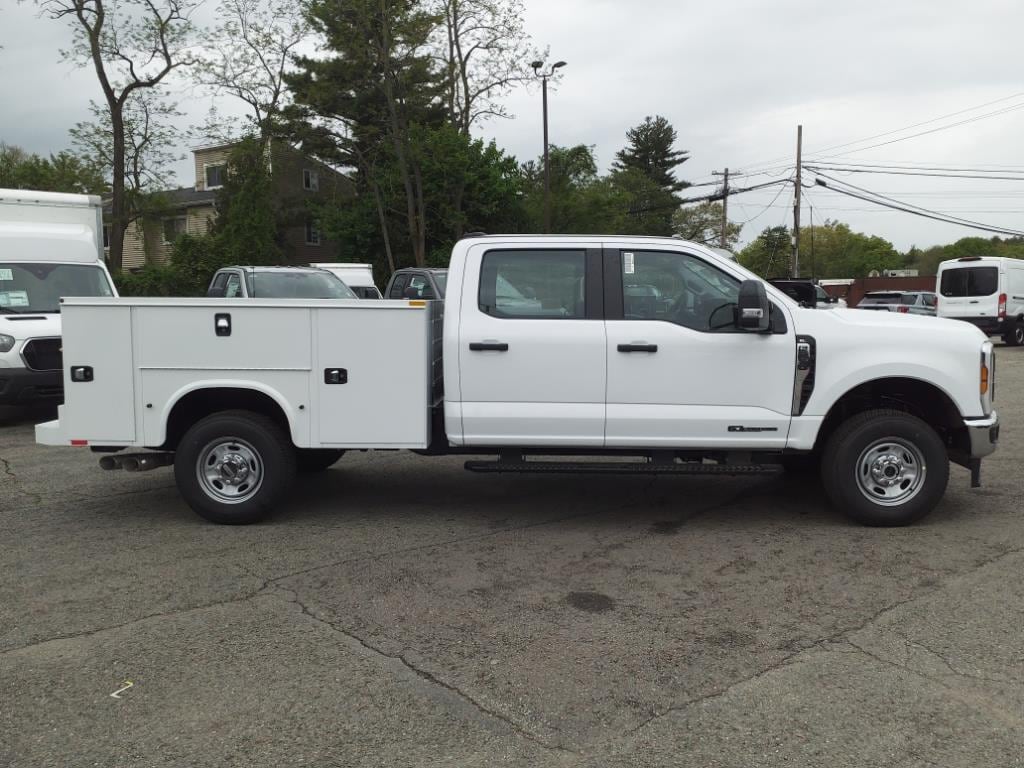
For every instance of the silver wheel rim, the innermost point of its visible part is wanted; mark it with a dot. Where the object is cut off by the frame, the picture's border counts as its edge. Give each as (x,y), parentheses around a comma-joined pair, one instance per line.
(891,472)
(229,470)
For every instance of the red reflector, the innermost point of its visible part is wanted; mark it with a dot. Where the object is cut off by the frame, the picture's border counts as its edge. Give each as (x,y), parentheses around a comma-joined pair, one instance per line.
(903,310)
(79,442)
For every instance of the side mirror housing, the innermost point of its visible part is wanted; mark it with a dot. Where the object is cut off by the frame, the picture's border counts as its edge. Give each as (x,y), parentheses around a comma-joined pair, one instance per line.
(753,311)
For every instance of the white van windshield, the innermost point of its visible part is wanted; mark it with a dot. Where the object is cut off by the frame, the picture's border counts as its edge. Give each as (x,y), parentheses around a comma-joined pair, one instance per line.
(969,281)
(30,287)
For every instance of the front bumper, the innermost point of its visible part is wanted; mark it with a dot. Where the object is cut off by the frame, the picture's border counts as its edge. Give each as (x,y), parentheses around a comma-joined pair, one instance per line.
(983,435)
(21,386)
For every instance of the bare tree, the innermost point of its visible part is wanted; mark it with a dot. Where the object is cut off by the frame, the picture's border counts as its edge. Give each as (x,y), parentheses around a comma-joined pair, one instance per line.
(253,49)
(149,136)
(132,45)
(485,53)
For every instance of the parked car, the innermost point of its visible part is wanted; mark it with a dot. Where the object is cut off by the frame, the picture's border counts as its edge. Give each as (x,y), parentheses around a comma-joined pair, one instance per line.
(717,374)
(985,291)
(277,283)
(903,302)
(416,283)
(808,293)
(358,277)
(51,246)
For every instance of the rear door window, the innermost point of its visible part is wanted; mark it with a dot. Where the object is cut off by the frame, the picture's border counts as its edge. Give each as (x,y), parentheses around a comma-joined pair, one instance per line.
(534,284)
(969,281)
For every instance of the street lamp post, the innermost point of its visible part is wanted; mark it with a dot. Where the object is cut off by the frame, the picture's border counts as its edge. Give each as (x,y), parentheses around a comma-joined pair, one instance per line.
(537,67)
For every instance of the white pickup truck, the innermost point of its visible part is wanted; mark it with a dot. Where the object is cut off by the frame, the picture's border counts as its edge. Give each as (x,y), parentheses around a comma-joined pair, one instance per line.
(630,355)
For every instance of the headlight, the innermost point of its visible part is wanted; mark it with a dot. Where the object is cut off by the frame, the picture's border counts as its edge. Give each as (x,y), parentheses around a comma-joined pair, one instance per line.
(6,342)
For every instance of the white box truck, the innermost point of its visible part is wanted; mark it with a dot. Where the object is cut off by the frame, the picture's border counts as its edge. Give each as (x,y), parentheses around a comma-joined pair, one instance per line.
(650,355)
(986,291)
(51,246)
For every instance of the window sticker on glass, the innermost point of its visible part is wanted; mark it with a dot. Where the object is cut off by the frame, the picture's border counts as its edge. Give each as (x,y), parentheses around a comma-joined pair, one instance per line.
(6,274)
(628,266)
(13,298)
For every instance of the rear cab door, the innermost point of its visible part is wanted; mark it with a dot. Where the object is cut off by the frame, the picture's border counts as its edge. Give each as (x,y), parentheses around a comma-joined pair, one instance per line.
(532,351)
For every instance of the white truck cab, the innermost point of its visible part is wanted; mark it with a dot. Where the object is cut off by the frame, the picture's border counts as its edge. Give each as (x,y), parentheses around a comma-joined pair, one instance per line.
(51,245)
(653,355)
(985,291)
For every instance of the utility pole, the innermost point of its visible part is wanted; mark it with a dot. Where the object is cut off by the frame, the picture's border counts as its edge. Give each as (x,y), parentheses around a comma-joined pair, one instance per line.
(722,239)
(794,270)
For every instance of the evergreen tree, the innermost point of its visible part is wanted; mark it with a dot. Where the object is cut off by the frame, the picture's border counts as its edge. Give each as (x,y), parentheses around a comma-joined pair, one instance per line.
(651,151)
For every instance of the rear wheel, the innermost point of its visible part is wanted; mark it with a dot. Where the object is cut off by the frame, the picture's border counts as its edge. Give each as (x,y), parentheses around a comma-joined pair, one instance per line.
(885,468)
(1014,336)
(234,467)
(317,459)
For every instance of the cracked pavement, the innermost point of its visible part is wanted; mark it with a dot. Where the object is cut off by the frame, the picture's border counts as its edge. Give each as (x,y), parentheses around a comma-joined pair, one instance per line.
(401,612)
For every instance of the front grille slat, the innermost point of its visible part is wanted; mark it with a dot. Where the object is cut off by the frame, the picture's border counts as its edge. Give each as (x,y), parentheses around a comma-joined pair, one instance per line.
(43,355)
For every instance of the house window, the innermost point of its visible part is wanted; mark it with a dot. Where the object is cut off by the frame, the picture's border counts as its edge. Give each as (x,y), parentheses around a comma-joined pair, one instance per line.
(214,176)
(174,228)
(312,233)
(310,180)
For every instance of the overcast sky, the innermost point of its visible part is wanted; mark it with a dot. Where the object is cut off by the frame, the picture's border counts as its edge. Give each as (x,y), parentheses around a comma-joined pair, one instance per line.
(734,77)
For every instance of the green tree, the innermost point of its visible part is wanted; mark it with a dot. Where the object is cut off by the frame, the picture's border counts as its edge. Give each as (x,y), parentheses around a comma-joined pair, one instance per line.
(650,154)
(249,221)
(63,172)
(840,252)
(768,255)
(702,223)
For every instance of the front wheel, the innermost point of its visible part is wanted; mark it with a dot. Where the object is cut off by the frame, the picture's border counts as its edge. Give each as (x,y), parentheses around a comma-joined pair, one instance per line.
(885,468)
(234,467)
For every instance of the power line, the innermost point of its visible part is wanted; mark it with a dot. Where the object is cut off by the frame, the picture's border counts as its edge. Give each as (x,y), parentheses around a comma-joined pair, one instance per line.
(770,205)
(872,197)
(817,167)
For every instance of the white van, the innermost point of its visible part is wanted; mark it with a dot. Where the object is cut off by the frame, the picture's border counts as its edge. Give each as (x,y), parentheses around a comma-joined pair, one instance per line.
(986,291)
(51,246)
(358,277)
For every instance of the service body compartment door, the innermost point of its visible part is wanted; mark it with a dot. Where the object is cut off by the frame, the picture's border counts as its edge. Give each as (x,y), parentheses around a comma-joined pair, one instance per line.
(532,349)
(372,375)
(101,409)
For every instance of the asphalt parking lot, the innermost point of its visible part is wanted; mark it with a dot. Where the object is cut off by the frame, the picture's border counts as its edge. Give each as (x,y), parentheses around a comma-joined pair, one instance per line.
(402,612)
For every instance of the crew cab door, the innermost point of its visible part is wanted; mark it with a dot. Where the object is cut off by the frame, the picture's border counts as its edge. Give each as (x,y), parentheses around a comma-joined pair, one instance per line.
(680,374)
(532,347)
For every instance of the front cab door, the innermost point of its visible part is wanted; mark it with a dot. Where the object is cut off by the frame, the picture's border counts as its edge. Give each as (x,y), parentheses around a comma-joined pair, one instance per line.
(680,375)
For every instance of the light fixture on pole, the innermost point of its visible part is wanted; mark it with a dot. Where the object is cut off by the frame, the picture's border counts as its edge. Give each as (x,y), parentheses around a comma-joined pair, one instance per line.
(538,71)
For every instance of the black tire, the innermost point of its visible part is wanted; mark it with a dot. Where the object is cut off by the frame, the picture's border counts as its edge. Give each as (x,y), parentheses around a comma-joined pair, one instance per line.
(900,443)
(249,444)
(1014,337)
(317,459)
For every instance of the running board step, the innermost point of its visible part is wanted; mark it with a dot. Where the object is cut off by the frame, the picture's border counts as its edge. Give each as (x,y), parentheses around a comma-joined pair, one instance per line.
(623,468)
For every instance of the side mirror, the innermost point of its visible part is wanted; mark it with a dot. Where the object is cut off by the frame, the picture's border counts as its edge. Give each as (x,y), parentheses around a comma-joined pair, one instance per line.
(753,308)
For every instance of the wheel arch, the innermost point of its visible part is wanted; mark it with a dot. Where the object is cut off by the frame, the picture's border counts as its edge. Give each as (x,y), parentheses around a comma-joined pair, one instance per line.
(917,397)
(189,405)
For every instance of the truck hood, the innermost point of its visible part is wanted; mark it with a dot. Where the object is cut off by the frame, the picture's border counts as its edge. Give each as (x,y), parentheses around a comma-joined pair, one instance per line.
(912,326)
(30,326)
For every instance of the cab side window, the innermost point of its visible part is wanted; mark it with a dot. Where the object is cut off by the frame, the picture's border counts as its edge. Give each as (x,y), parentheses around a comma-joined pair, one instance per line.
(422,287)
(677,288)
(534,284)
(398,287)
(217,287)
(233,289)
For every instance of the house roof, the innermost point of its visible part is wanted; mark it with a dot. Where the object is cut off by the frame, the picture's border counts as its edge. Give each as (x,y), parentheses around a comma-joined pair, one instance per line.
(183,197)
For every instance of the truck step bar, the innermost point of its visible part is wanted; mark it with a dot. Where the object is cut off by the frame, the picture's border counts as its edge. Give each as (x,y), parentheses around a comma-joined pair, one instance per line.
(623,467)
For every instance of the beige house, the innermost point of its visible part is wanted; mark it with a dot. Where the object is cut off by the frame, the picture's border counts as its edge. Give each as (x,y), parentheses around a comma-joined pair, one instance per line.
(296,181)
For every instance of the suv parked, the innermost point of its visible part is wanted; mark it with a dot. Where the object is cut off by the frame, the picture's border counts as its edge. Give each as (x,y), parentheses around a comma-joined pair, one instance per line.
(904,302)
(417,283)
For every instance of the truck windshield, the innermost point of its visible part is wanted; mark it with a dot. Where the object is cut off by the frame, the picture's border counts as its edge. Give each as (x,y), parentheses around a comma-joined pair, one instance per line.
(969,281)
(299,285)
(30,287)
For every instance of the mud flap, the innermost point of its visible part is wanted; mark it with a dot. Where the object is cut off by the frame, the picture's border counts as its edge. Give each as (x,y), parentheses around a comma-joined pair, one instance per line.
(975,466)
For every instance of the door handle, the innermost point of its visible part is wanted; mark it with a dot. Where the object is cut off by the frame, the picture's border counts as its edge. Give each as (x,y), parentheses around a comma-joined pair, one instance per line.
(488,346)
(638,348)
